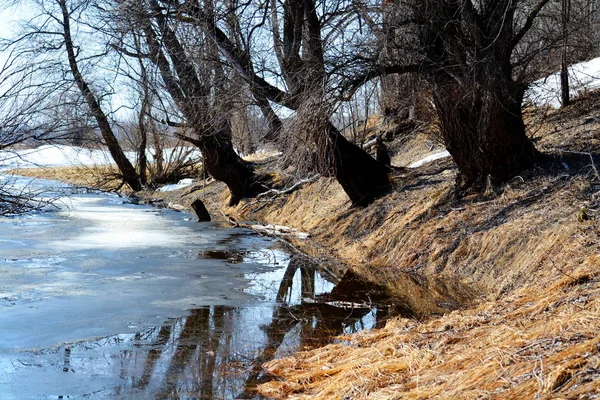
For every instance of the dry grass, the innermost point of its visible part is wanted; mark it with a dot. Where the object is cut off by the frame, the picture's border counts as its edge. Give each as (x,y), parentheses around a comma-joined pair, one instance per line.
(507,286)
(535,343)
(520,268)
(104,177)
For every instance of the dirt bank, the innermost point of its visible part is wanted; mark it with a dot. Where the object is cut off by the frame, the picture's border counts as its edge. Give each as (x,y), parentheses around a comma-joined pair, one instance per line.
(504,285)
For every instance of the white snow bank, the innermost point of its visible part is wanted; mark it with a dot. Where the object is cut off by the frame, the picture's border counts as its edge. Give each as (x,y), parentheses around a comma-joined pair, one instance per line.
(432,157)
(179,185)
(53,156)
(583,77)
(68,156)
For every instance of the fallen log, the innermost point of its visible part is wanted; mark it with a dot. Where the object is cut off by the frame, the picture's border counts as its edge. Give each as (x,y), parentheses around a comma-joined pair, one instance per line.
(279,231)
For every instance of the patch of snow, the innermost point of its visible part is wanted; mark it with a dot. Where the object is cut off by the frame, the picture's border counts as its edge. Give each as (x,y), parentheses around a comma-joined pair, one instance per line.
(583,77)
(67,156)
(179,185)
(432,157)
(53,156)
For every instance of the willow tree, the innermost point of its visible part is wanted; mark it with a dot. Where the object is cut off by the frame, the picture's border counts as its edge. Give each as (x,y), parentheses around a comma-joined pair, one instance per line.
(469,48)
(191,74)
(477,56)
(301,54)
(296,32)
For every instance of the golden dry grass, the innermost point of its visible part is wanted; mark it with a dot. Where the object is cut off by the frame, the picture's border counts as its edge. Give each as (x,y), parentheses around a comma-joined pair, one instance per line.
(507,286)
(103,177)
(535,343)
(521,267)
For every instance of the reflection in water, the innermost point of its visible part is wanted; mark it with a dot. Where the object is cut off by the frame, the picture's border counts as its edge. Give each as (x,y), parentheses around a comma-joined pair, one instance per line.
(72,277)
(215,352)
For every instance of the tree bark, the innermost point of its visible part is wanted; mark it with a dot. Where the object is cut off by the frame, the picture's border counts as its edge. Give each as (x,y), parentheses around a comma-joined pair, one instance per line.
(363,178)
(212,134)
(145,109)
(303,68)
(485,134)
(225,165)
(477,100)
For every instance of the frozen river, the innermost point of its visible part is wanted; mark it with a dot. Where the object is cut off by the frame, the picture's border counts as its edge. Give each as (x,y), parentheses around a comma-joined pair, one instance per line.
(104,299)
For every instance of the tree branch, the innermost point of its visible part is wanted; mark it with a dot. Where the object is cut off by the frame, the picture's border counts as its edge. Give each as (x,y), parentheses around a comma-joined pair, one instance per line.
(353,85)
(529,22)
(128,53)
(239,58)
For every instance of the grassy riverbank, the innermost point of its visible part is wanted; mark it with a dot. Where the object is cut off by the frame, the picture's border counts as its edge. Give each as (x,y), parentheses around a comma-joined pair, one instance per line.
(504,287)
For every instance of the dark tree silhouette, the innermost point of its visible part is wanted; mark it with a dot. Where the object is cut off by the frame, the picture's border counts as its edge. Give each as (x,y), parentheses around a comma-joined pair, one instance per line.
(469,51)
(474,56)
(301,60)
(196,86)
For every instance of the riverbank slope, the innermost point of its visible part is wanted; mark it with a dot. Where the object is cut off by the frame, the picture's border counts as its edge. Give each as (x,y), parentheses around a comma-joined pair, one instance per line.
(503,288)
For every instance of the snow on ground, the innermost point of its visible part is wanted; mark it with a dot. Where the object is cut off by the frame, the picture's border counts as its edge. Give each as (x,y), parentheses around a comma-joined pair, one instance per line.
(176,186)
(583,77)
(53,156)
(432,157)
(66,156)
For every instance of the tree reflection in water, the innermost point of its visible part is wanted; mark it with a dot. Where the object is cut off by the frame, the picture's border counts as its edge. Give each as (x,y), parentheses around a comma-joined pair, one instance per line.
(217,352)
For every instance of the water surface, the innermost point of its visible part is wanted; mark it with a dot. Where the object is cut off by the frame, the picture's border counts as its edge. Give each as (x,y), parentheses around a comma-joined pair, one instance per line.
(104,299)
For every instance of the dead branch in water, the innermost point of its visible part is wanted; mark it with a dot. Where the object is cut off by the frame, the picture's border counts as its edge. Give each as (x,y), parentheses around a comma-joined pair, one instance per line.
(14,202)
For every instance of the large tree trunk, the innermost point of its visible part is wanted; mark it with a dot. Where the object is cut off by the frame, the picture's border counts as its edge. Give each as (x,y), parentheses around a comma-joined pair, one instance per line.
(222,163)
(225,165)
(483,130)
(193,98)
(304,75)
(362,177)
(477,100)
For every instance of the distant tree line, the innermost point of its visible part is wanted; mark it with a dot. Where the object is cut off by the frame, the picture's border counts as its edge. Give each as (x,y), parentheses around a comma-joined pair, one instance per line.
(232,75)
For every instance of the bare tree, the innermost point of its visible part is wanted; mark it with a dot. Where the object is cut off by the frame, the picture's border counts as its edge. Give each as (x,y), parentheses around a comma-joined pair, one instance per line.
(23,106)
(477,57)
(196,83)
(130,175)
(47,46)
(298,44)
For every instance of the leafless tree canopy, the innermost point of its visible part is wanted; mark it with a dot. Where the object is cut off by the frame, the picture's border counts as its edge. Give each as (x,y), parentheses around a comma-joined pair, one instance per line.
(232,76)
